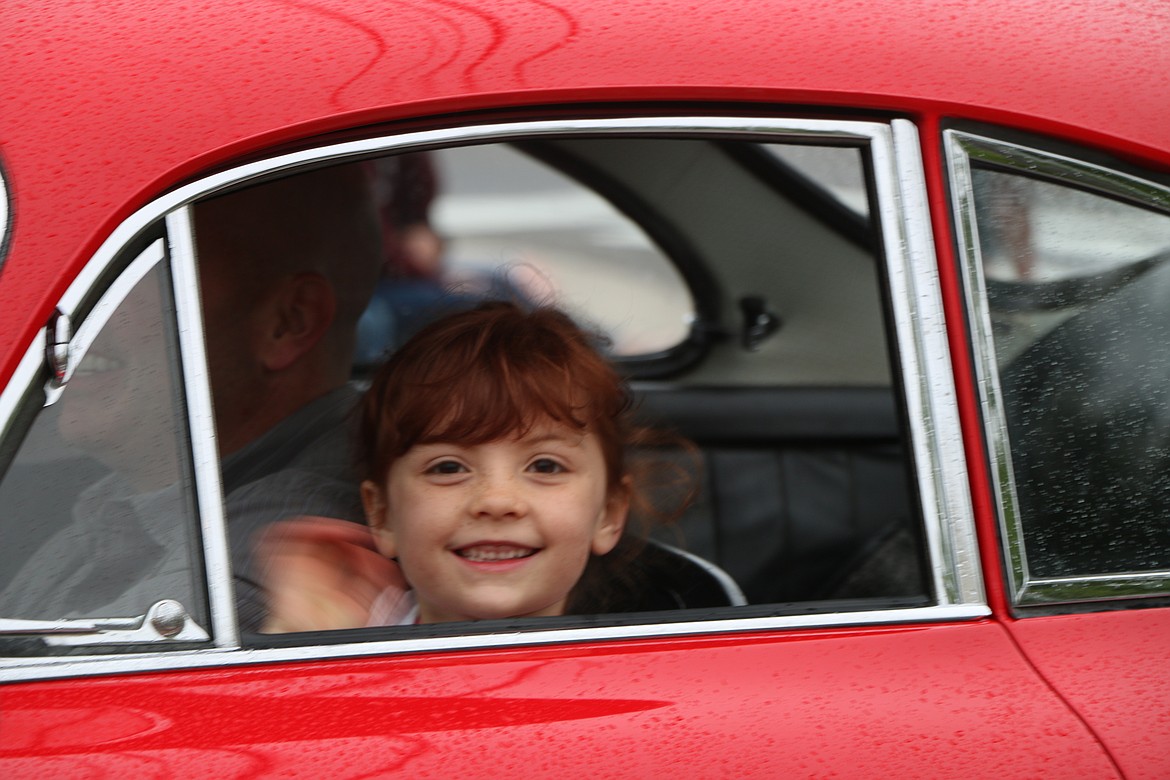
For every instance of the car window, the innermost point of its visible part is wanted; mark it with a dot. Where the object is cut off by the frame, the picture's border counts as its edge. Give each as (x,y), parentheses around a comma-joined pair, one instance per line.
(701,265)
(756,316)
(98,516)
(1077,286)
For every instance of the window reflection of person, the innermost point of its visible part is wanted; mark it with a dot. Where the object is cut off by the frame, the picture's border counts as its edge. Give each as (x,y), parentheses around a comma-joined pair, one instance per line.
(126,545)
(286,269)
(118,405)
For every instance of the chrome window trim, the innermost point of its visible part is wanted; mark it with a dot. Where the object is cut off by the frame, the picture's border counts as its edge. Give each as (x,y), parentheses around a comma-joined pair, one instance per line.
(30,368)
(5,216)
(201,423)
(919,329)
(19,669)
(927,376)
(960,149)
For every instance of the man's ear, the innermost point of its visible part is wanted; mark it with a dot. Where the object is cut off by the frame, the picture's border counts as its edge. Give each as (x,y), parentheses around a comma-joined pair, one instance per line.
(374,503)
(299,313)
(612,522)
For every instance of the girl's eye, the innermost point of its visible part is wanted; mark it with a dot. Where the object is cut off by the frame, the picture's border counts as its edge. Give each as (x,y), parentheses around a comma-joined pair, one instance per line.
(446,467)
(546,466)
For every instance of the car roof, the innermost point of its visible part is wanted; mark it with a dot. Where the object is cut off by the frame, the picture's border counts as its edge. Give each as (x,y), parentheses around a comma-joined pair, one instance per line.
(107,105)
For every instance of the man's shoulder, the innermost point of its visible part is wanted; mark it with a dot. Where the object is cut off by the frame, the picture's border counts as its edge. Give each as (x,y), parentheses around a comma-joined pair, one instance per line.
(318,439)
(296,491)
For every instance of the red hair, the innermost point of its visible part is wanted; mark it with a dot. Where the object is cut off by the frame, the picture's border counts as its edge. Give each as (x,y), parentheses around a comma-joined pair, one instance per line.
(490,373)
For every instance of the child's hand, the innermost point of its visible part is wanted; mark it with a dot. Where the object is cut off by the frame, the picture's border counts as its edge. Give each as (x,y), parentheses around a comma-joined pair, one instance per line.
(321,574)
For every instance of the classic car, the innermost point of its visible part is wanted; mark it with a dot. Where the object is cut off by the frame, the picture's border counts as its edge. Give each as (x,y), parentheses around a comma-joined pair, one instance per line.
(898,270)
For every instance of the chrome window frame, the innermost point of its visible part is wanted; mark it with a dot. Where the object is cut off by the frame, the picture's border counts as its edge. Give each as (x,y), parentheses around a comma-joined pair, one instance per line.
(919,330)
(961,149)
(5,216)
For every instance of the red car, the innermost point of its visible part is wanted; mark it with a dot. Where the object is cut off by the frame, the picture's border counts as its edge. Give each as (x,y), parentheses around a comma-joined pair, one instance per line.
(894,268)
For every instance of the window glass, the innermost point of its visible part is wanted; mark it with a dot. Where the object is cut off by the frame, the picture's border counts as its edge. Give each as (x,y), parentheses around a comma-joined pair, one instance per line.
(465,224)
(800,472)
(803,486)
(97,511)
(837,169)
(1078,290)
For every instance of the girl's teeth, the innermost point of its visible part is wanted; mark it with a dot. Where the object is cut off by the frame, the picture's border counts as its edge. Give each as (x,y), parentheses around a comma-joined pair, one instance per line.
(482,554)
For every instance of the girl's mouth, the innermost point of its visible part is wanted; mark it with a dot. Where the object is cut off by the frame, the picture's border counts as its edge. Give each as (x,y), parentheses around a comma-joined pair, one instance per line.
(489,553)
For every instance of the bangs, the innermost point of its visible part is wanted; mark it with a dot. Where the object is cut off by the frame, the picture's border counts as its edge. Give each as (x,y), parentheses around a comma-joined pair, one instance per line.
(486,402)
(492,373)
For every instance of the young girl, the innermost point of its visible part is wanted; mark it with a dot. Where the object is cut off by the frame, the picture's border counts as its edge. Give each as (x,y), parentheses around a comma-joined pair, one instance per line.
(493,449)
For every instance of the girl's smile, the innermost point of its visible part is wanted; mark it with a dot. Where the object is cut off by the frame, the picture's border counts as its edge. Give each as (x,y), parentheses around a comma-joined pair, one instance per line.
(494,553)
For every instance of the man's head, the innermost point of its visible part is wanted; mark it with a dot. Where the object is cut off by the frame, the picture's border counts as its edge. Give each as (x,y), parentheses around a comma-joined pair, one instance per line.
(286,269)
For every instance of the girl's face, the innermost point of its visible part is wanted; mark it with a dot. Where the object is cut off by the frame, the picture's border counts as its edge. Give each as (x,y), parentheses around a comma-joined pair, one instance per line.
(496,530)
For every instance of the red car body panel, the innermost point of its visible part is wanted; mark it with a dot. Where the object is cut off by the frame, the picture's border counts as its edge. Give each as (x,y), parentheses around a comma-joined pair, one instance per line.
(105,106)
(946,700)
(1109,669)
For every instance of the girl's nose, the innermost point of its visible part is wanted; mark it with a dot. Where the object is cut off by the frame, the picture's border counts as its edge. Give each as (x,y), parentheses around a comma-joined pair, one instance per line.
(499,498)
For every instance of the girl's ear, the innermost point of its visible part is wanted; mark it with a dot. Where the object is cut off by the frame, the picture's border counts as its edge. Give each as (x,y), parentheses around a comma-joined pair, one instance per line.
(613,519)
(374,503)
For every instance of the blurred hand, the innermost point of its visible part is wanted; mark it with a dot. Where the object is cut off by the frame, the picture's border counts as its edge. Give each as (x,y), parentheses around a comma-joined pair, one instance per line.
(321,574)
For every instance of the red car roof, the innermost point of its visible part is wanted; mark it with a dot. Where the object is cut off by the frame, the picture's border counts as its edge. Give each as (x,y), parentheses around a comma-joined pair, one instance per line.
(107,104)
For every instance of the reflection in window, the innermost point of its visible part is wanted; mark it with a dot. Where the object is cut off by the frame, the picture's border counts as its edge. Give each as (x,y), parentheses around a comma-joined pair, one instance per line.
(837,169)
(467,224)
(1078,288)
(97,512)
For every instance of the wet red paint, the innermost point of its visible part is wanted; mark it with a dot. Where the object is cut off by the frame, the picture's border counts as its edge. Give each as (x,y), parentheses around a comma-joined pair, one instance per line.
(937,702)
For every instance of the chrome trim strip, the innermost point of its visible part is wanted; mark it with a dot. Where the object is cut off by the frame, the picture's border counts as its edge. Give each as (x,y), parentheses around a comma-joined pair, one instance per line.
(5,214)
(31,366)
(1068,171)
(960,149)
(928,380)
(205,455)
(147,215)
(921,335)
(33,361)
(1100,587)
(746,126)
(55,668)
(986,371)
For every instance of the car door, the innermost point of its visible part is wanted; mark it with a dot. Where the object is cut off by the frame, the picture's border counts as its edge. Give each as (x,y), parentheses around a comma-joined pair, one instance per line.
(808,361)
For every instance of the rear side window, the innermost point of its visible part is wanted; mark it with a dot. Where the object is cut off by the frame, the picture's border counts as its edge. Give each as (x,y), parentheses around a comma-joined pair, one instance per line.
(1075,270)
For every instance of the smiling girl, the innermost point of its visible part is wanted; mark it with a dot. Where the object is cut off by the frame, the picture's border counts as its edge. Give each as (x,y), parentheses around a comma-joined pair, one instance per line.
(495,483)
(494,454)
